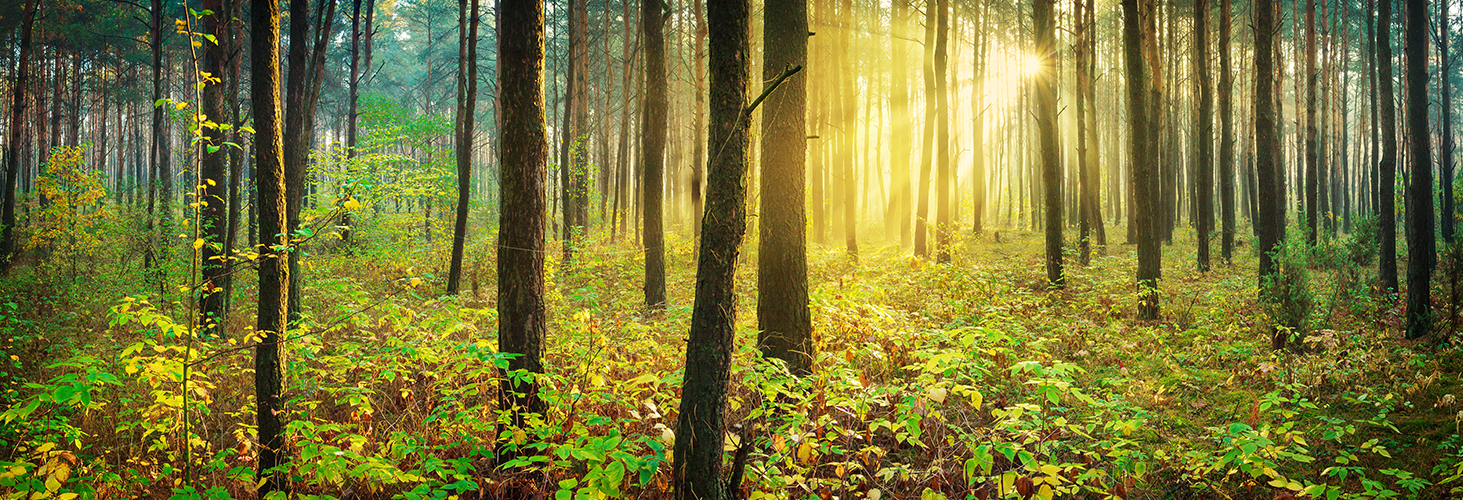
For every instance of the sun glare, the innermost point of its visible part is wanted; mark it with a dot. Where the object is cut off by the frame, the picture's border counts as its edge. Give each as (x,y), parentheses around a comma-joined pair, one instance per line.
(1031,66)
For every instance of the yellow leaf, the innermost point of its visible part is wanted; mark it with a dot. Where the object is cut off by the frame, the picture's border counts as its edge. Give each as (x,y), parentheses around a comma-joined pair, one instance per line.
(351,204)
(416,282)
(805,453)
(198,243)
(937,394)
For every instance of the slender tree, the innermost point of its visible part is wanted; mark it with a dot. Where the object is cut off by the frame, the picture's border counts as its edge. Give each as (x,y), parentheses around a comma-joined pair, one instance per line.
(1312,159)
(652,151)
(1421,247)
(13,138)
(274,264)
(944,175)
(467,89)
(1143,148)
(1203,132)
(926,154)
(1044,21)
(782,262)
(696,471)
(1445,155)
(214,184)
(1387,186)
(1226,136)
(523,161)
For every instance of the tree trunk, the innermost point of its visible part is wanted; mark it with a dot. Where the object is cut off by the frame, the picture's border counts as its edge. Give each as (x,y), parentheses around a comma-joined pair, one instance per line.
(273,266)
(1313,212)
(1387,187)
(652,154)
(467,89)
(213,187)
(1226,136)
(697,468)
(1421,247)
(13,139)
(1144,150)
(1204,132)
(782,263)
(523,160)
(1044,22)
(1445,155)
(848,126)
(926,156)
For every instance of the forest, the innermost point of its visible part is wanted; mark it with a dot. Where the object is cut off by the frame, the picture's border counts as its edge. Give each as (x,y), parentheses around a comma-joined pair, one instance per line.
(770,249)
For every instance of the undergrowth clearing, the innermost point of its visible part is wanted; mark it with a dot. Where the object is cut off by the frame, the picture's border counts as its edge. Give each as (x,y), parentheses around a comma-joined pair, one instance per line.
(967,380)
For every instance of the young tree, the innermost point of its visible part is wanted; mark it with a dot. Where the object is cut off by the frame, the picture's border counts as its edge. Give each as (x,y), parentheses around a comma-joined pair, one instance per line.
(467,90)
(1143,148)
(274,263)
(1044,21)
(652,151)
(696,472)
(1387,186)
(1421,247)
(523,161)
(1204,131)
(13,138)
(782,262)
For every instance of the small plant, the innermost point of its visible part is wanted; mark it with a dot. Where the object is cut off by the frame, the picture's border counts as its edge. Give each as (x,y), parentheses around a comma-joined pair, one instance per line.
(1286,295)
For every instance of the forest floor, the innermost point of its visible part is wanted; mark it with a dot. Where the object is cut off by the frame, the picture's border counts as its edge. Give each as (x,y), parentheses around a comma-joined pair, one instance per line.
(963,380)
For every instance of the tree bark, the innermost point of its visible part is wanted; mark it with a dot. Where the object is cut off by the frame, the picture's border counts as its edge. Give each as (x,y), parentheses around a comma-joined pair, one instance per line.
(213,187)
(1421,247)
(274,263)
(1226,136)
(1044,22)
(523,160)
(926,156)
(697,468)
(652,153)
(467,89)
(782,262)
(1387,187)
(13,139)
(1204,132)
(1144,152)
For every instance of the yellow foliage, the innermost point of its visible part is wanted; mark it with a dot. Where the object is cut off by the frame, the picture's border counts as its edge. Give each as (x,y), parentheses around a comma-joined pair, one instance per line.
(68,220)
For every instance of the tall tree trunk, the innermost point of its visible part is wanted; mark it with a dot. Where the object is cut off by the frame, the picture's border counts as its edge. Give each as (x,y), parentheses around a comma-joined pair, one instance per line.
(698,118)
(523,160)
(847,128)
(1226,136)
(1144,151)
(782,262)
(467,90)
(273,266)
(1421,247)
(1044,21)
(1445,155)
(1267,146)
(1204,132)
(213,187)
(652,153)
(696,472)
(13,139)
(1312,183)
(1387,187)
(926,155)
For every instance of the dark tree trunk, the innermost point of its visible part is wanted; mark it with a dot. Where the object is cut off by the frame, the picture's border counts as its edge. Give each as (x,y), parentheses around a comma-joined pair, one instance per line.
(1387,186)
(1204,132)
(1044,22)
(467,90)
(236,48)
(926,154)
(943,175)
(697,469)
(273,267)
(1226,136)
(1267,146)
(1421,247)
(1312,159)
(849,124)
(213,187)
(652,152)
(1445,155)
(301,96)
(13,139)
(782,262)
(1144,147)
(523,160)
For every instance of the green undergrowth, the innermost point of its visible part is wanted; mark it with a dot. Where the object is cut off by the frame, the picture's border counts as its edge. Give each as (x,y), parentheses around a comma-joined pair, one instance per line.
(962,380)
